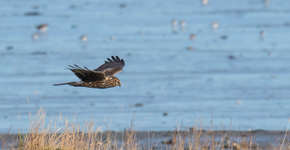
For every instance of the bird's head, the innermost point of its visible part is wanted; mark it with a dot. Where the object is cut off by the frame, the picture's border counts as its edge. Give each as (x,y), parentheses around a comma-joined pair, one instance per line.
(119,83)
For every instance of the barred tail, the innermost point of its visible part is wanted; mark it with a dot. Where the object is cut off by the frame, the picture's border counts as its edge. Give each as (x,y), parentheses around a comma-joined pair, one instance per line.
(69,83)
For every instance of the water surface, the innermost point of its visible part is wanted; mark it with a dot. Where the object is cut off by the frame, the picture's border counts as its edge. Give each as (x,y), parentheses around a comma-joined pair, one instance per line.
(241,78)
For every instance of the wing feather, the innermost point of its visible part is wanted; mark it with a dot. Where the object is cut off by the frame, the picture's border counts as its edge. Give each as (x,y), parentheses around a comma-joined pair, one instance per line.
(110,59)
(87,74)
(112,66)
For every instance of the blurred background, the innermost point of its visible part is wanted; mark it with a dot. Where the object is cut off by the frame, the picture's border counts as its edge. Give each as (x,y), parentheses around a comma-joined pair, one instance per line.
(224,60)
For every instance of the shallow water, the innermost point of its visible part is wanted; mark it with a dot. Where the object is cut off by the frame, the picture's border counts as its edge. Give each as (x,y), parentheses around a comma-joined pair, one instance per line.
(251,90)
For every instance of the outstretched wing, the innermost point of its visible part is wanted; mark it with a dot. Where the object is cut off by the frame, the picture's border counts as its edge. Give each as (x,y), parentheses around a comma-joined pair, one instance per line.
(112,66)
(86,74)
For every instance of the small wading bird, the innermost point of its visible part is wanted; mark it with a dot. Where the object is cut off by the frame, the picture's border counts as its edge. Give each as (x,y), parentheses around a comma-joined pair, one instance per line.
(101,77)
(182,24)
(42,27)
(84,38)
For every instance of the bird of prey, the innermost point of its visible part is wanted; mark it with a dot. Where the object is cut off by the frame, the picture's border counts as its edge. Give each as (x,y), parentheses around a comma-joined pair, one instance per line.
(102,77)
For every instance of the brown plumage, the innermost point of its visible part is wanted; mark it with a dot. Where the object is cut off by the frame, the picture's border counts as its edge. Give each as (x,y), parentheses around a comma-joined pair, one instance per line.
(102,77)
(42,26)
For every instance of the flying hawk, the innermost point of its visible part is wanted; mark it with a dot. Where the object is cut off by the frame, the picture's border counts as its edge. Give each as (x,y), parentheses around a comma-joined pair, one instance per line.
(101,77)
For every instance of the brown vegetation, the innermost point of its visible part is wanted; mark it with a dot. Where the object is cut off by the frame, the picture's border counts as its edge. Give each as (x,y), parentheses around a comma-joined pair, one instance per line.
(74,137)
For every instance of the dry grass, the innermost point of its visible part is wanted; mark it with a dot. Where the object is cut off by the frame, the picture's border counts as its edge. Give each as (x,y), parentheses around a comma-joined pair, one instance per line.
(74,137)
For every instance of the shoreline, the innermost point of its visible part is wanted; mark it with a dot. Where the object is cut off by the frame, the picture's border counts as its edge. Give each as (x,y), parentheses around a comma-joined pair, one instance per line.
(160,139)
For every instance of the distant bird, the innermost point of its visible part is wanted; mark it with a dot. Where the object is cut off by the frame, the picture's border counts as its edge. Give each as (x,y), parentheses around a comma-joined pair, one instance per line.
(262,33)
(204,2)
(102,77)
(141,32)
(266,2)
(112,38)
(192,36)
(231,57)
(42,27)
(190,48)
(214,25)
(173,25)
(182,24)
(173,22)
(224,37)
(35,36)
(84,38)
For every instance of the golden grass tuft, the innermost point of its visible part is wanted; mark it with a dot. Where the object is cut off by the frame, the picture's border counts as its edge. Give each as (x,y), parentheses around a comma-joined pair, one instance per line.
(70,137)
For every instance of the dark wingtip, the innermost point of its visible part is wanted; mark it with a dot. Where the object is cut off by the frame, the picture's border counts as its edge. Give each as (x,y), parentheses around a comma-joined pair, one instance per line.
(77,66)
(110,60)
(71,67)
(86,68)
(123,62)
(114,58)
(57,84)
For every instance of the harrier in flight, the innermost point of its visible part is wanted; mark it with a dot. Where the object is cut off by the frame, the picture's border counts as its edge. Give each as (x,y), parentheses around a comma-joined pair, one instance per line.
(102,77)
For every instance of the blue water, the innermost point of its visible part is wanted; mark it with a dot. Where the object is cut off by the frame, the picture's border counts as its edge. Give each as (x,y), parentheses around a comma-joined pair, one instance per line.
(251,90)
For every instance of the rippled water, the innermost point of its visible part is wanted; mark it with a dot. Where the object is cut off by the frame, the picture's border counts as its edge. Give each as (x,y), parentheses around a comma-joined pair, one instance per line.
(232,75)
